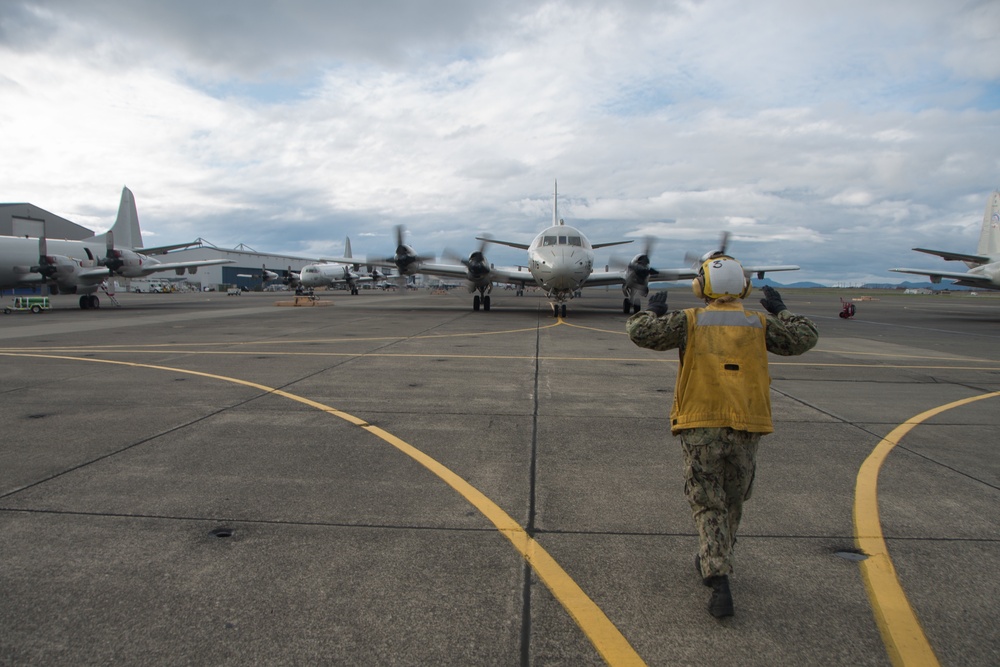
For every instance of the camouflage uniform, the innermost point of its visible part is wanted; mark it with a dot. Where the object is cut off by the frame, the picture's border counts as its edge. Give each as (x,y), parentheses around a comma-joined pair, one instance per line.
(720,463)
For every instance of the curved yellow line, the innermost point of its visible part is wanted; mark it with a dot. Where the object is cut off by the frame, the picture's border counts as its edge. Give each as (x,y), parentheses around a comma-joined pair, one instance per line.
(594,623)
(902,634)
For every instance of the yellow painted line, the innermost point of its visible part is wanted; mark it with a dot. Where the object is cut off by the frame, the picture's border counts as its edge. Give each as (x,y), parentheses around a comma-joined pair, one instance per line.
(312,341)
(902,634)
(594,623)
(180,348)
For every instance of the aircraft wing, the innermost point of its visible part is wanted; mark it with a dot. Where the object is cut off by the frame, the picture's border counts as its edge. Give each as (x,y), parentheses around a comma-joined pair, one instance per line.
(95,275)
(163,249)
(761,270)
(153,267)
(515,275)
(961,278)
(597,246)
(443,270)
(519,246)
(956,256)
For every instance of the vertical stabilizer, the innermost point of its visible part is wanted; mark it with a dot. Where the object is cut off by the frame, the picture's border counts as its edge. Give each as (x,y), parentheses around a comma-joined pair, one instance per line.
(347,247)
(126,229)
(989,236)
(555,202)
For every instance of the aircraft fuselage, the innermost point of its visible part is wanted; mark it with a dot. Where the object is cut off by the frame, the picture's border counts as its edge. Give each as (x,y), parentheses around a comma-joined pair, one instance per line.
(560,260)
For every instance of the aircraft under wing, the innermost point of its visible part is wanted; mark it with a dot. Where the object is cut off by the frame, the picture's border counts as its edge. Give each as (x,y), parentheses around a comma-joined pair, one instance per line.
(179,267)
(513,275)
(960,277)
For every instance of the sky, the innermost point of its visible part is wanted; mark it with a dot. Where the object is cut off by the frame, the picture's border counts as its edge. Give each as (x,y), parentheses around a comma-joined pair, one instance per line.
(835,136)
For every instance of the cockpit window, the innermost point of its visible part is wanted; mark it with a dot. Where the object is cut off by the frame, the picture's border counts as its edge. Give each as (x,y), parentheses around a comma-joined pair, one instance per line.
(548,240)
(562,240)
(575,240)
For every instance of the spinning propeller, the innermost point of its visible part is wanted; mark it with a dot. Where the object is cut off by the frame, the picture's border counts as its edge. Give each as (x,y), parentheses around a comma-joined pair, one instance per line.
(696,261)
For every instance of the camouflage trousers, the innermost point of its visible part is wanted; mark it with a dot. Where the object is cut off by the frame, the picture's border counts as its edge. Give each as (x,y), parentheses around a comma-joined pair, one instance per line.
(719,465)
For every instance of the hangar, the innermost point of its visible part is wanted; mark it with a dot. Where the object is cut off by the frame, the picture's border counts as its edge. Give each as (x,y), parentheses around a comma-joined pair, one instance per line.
(246,270)
(29,220)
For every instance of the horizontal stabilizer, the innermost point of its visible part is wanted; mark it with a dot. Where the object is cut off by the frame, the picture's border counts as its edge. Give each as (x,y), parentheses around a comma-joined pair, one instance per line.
(956,256)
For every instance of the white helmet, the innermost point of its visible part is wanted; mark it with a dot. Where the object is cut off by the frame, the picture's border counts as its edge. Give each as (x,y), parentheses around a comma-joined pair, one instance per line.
(720,276)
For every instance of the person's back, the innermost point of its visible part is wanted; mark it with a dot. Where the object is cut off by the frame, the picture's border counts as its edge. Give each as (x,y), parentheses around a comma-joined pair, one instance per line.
(721,400)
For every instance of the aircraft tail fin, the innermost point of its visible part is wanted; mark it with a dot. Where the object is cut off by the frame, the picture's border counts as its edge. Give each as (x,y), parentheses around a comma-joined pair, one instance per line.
(126,230)
(347,247)
(555,203)
(989,236)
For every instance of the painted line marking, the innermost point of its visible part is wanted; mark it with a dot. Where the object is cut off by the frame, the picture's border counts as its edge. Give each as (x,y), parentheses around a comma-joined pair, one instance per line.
(902,634)
(602,633)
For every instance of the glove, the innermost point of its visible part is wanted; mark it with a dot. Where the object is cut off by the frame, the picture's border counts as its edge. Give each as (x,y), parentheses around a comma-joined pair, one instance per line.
(772,300)
(657,304)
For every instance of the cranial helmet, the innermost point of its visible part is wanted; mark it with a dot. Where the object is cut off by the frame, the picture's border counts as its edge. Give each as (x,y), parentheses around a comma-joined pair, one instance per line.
(720,276)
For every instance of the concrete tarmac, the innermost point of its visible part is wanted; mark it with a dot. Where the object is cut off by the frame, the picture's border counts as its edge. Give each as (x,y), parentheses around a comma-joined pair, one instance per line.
(397,480)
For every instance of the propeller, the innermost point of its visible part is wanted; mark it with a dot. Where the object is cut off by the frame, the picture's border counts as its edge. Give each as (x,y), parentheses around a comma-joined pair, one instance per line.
(476,263)
(405,258)
(48,264)
(117,259)
(639,266)
(695,260)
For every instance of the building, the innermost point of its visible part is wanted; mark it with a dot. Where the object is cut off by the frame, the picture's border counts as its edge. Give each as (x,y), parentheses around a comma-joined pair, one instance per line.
(246,271)
(29,220)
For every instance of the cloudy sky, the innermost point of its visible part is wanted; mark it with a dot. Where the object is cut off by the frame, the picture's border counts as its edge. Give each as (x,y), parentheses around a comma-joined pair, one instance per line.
(832,135)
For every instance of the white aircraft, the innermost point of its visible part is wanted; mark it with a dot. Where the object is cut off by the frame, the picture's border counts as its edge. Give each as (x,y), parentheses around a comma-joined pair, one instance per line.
(82,267)
(560,262)
(336,272)
(984,266)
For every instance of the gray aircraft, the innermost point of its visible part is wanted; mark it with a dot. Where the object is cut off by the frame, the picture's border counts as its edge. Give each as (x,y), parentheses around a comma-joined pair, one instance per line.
(560,260)
(83,267)
(984,266)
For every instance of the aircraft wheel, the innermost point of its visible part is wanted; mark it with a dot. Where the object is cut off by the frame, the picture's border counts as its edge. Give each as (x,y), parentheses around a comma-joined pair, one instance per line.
(84,303)
(635,307)
(564,310)
(94,301)
(475,303)
(486,303)
(626,306)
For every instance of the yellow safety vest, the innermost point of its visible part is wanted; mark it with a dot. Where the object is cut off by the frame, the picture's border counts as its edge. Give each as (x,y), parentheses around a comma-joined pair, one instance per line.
(723,378)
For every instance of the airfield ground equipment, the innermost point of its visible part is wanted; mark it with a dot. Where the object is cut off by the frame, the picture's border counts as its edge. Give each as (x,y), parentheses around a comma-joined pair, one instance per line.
(23,304)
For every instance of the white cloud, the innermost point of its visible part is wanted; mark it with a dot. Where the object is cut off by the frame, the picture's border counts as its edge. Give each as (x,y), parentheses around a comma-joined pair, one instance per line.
(870,127)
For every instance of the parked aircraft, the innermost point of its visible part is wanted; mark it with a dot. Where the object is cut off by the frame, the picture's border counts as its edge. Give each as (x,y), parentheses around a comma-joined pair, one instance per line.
(560,262)
(984,266)
(342,271)
(82,267)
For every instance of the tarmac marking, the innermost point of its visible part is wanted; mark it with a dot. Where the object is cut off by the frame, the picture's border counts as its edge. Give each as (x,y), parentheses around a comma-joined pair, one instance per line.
(594,623)
(902,634)
(180,349)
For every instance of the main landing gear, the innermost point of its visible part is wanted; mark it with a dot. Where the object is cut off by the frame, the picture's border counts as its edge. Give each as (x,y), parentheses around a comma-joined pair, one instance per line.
(483,301)
(628,304)
(89,301)
(558,309)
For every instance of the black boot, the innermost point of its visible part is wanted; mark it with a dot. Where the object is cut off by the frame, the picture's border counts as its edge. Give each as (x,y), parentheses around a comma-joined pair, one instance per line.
(721,604)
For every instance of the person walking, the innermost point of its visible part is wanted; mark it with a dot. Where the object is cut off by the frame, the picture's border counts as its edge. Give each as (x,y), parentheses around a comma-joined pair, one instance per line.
(722,403)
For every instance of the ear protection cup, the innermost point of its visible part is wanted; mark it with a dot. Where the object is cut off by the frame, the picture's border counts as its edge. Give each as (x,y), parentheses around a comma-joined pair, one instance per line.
(698,288)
